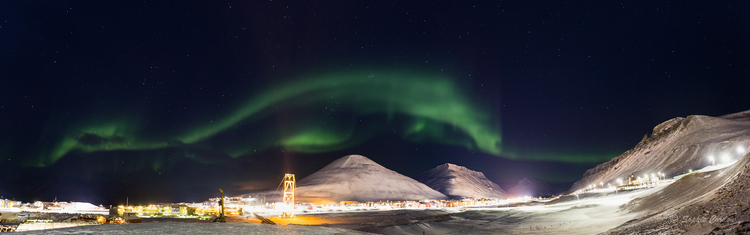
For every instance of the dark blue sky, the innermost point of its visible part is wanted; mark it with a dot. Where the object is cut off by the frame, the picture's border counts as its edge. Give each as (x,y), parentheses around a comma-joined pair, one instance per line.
(102,99)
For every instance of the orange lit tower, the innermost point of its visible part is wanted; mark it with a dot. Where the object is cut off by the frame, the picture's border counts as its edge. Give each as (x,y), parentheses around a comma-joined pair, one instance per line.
(289,185)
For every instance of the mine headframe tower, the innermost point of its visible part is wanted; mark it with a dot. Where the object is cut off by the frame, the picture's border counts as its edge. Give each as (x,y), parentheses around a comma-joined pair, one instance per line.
(221,218)
(289,185)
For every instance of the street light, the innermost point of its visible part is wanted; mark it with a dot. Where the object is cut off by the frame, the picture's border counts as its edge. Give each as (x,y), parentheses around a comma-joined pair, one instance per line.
(712,159)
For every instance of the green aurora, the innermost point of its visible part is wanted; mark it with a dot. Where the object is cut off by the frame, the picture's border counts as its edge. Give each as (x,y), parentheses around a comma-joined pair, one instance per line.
(435,108)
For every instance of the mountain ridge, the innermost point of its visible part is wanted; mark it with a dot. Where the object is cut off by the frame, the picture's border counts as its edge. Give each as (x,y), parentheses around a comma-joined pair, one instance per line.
(460,182)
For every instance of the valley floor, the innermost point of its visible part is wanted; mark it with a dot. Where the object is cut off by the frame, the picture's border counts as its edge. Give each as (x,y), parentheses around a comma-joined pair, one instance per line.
(589,213)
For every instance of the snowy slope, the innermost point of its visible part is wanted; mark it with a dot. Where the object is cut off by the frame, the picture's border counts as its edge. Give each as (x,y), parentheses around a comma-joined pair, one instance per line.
(699,203)
(357,178)
(675,147)
(459,182)
(531,187)
(194,228)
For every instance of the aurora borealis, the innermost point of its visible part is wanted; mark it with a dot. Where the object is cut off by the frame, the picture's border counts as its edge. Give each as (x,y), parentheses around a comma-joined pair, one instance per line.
(432,106)
(107,99)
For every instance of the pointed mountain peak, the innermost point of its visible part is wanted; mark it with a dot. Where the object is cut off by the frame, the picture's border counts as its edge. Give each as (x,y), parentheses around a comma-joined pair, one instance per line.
(355,158)
(450,167)
(352,161)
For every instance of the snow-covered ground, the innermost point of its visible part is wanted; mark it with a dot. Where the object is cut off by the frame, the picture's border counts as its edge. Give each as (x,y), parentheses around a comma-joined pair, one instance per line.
(589,215)
(58,208)
(62,211)
(196,228)
(714,198)
(593,213)
(714,190)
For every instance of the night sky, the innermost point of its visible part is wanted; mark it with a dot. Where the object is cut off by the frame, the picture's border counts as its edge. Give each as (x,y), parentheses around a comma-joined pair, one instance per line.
(161,101)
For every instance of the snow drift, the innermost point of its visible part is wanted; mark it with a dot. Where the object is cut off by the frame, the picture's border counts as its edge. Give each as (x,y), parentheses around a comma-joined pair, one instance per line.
(531,187)
(357,178)
(460,182)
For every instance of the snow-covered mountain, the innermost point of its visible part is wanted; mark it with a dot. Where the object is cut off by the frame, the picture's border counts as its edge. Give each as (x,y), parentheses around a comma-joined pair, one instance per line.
(531,187)
(357,178)
(677,146)
(460,182)
(707,200)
